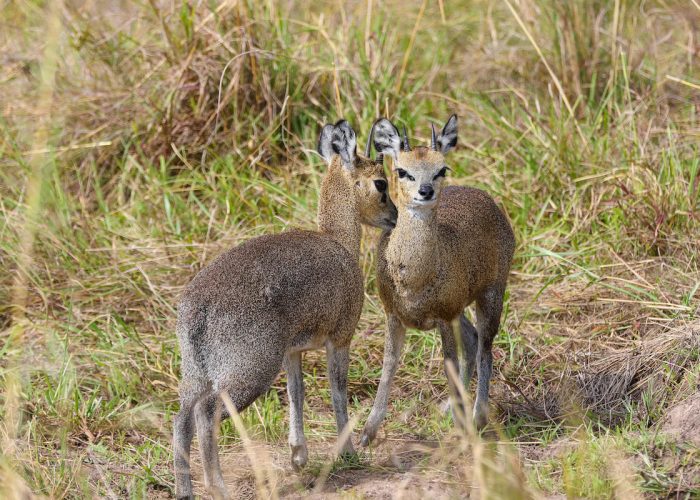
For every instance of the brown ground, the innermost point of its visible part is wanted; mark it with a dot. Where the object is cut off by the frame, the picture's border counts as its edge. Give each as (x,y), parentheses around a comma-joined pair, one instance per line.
(682,422)
(407,468)
(682,425)
(399,469)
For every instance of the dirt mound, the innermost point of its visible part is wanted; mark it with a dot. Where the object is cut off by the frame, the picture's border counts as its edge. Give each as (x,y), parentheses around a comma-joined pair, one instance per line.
(682,422)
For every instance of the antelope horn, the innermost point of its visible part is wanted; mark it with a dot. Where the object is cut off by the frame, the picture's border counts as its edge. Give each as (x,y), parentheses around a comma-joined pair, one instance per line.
(433,138)
(406,146)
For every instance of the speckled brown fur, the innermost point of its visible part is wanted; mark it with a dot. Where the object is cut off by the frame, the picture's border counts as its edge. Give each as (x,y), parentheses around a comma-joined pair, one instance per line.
(430,267)
(451,246)
(260,304)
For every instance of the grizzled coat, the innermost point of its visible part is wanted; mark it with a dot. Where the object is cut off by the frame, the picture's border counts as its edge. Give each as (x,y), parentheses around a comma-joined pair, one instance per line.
(236,313)
(451,246)
(259,305)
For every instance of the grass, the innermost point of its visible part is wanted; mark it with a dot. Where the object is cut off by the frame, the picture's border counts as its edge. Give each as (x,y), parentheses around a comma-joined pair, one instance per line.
(139,141)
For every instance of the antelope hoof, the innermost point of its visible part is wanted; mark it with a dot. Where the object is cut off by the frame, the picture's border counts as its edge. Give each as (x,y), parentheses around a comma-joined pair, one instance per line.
(299,457)
(481,417)
(367,437)
(218,493)
(348,449)
(446,406)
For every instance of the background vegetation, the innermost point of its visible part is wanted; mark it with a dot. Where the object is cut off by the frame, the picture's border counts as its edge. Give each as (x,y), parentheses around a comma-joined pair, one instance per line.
(139,139)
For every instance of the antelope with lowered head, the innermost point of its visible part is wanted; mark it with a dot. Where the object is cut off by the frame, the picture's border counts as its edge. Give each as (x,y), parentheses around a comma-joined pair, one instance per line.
(259,305)
(451,246)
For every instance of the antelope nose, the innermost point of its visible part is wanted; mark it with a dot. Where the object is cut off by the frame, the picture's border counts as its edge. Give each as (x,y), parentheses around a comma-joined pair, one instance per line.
(426,191)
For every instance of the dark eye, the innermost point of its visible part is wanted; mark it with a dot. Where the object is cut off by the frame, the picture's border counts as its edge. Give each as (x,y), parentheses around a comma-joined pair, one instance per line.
(402,173)
(441,173)
(381,185)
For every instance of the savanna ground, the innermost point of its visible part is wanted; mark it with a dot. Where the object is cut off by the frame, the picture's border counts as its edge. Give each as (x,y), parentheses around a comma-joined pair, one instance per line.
(140,139)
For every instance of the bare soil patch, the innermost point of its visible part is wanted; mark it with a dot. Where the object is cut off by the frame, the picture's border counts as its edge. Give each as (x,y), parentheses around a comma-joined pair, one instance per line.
(400,469)
(682,421)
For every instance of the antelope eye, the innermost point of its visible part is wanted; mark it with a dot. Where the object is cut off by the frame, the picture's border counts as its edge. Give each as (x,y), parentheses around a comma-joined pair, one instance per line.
(403,174)
(381,185)
(441,173)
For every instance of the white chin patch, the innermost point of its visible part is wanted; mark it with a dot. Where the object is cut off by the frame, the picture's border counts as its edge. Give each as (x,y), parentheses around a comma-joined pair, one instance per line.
(422,204)
(420,208)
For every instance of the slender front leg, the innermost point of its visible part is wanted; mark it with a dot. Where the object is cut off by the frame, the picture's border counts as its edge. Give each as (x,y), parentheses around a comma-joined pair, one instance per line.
(450,355)
(393,344)
(470,340)
(338,362)
(208,417)
(295,392)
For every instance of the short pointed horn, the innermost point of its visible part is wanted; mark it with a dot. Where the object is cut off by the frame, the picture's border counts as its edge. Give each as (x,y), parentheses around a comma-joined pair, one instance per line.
(406,146)
(433,138)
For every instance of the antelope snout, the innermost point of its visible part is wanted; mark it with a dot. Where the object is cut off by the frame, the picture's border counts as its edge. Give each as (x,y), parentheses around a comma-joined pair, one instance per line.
(426,191)
(393,216)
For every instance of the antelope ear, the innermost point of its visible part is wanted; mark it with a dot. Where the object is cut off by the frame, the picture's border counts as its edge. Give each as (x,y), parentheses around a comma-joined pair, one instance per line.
(338,139)
(344,143)
(386,138)
(448,137)
(324,147)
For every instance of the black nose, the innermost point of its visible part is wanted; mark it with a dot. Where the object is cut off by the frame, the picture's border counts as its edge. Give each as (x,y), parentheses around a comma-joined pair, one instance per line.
(426,191)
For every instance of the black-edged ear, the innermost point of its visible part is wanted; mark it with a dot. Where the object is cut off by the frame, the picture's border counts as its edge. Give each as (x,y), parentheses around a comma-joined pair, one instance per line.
(325,149)
(386,138)
(448,137)
(345,142)
(338,139)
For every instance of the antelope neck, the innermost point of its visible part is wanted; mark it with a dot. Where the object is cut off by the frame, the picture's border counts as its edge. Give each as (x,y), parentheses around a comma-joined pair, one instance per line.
(412,251)
(338,213)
